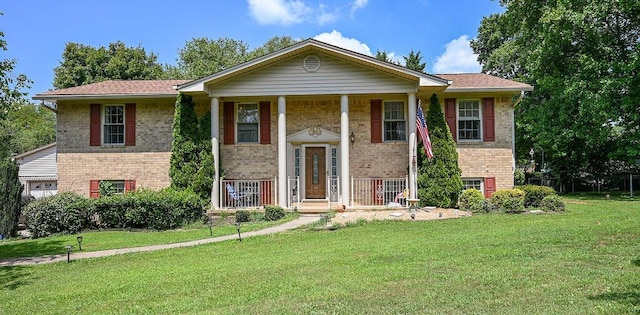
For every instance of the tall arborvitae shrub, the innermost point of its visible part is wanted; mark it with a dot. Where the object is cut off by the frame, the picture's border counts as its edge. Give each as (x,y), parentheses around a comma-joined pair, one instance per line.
(191,157)
(10,197)
(439,182)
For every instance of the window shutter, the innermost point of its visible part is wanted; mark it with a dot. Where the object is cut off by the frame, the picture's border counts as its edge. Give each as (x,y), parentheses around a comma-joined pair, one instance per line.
(94,188)
(450,115)
(488,119)
(130,124)
(129,185)
(94,125)
(489,186)
(229,122)
(376,121)
(265,122)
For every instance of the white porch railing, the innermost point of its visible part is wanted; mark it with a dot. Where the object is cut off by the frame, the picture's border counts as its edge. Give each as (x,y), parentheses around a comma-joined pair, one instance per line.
(365,193)
(247,193)
(379,192)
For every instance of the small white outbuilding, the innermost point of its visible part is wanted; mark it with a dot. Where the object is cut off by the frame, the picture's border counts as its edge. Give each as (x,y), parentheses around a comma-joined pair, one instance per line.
(38,172)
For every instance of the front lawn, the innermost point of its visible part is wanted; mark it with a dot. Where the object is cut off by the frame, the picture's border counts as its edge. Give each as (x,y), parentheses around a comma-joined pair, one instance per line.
(585,261)
(94,240)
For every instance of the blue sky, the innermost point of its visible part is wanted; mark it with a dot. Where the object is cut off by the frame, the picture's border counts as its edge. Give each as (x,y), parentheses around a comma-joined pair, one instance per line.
(36,31)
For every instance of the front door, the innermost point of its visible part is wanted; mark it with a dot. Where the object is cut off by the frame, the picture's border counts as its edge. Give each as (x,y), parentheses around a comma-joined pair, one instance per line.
(315,173)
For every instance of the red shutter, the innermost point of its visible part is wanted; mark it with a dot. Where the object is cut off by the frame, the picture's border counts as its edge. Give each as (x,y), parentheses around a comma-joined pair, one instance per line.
(376,121)
(94,125)
(94,188)
(450,115)
(488,120)
(229,122)
(489,186)
(265,122)
(129,185)
(130,124)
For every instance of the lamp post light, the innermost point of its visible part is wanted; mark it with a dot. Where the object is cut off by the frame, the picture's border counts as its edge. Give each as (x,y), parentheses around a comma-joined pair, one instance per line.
(352,138)
(532,152)
(238,228)
(68,248)
(79,239)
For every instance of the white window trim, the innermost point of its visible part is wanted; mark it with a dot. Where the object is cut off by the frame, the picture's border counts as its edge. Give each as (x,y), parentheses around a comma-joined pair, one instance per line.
(237,108)
(406,123)
(476,178)
(480,131)
(124,124)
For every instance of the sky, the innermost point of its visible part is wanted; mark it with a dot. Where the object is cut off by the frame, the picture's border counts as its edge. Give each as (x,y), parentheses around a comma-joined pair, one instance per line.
(36,31)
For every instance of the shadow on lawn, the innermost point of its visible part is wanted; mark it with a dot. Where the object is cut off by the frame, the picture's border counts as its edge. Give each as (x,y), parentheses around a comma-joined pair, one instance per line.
(631,296)
(13,277)
(19,249)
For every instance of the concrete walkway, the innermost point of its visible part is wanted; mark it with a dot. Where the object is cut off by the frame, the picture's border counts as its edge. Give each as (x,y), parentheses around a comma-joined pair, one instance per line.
(301,221)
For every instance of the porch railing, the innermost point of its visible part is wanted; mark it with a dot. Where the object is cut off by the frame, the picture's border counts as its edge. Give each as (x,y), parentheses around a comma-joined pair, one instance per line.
(247,194)
(377,192)
(293,197)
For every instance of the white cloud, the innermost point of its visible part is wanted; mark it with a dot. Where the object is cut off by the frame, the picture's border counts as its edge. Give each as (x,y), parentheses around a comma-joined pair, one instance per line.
(325,17)
(282,12)
(358,4)
(335,38)
(457,58)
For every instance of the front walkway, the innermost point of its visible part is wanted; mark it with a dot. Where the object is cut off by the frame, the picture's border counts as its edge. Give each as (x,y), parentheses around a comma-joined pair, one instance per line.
(301,221)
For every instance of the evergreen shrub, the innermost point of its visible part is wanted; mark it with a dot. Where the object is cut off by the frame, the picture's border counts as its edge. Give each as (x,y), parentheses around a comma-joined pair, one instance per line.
(243,216)
(10,198)
(552,203)
(534,194)
(273,213)
(469,200)
(66,212)
(508,200)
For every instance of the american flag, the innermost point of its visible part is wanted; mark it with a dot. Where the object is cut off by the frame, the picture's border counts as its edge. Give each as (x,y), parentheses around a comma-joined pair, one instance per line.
(424,131)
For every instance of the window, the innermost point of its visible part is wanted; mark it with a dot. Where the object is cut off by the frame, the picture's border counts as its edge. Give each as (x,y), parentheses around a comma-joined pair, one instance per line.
(394,121)
(469,120)
(471,183)
(118,186)
(248,123)
(113,124)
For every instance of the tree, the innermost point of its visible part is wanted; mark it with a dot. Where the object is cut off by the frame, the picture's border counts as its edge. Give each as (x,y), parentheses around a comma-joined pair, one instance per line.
(201,57)
(273,44)
(439,181)
(83,64)
(10,197)
(384,56)
(414,62)
(191,162)
(27,127)
(583,57)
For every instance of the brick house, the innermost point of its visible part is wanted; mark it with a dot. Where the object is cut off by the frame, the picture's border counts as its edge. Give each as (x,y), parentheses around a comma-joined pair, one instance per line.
(310,123)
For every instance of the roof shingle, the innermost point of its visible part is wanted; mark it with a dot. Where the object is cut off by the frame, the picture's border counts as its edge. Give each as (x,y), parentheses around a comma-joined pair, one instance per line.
(120,87)
(481,81)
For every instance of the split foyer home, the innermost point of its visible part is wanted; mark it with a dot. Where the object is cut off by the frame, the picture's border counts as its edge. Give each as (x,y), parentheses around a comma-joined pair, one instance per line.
(311,123)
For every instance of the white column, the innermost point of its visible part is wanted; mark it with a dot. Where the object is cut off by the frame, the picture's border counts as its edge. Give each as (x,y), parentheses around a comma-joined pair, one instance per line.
(413,147)
(215,149)
(282,152)
(345,188)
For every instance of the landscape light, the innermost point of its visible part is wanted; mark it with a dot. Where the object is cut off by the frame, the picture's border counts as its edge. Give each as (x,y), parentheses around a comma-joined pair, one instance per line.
(238,228)
(210,223)
(79,239)
(68,248)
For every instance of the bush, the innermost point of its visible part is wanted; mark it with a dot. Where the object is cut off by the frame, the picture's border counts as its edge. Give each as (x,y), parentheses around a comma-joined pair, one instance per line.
(509,200)
(469,198)
(160,210)
(484,206)
(552,203)
(62,213)
(10,198)
(243,216)
(534,194)
(518,176)
(273,213)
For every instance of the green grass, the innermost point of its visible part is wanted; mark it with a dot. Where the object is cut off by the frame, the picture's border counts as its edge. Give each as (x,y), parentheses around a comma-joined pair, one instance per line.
(94,240)
(585,261)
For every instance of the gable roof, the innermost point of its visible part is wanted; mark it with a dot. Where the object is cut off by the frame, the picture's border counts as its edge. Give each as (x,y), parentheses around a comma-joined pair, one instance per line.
(116,89)
(36,150)
(481,82)
(310,45)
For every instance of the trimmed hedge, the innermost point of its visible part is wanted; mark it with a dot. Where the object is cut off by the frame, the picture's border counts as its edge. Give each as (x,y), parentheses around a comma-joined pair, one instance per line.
(469,199)
(552,203)
(534,194)
(160,210)
(273,213)
(243,216)
(509,200)
(67,212)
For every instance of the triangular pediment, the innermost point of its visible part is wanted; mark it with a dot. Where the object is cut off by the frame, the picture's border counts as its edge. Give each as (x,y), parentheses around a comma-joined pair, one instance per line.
(314,134)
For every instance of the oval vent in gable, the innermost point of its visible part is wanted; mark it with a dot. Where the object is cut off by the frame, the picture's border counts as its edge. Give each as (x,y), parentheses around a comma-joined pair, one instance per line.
(311,63)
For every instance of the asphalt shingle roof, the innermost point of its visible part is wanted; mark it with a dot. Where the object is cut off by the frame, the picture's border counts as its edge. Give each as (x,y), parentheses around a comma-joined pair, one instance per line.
(480,81)
(121,87)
